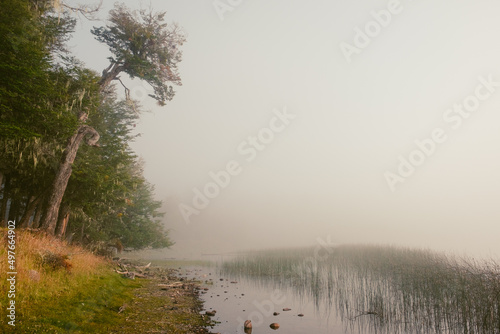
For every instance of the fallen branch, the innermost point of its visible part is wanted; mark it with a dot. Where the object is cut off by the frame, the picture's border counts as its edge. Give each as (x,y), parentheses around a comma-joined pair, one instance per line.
(131,273)
(171,285)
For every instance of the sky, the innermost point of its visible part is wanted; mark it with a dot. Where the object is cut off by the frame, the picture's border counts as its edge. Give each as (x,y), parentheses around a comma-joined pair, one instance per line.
(348,121)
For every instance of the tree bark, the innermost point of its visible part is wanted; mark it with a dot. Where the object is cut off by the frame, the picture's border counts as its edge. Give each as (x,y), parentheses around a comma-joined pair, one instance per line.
(5,200)
(49,220)
(110,74)
(63,220)
(30,209)
(15,208)
(38,215)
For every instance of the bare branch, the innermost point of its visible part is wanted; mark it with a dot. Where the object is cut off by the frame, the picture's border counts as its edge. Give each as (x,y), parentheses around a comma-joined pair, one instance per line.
(87,11)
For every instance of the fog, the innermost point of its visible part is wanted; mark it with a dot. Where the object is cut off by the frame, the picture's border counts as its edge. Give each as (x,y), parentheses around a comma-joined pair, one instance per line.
(300,122)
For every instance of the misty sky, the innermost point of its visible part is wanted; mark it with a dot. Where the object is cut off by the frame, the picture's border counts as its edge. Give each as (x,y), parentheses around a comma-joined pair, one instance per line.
(362,121)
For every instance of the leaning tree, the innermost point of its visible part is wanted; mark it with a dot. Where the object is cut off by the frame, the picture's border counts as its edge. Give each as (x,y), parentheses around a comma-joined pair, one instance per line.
(143,46)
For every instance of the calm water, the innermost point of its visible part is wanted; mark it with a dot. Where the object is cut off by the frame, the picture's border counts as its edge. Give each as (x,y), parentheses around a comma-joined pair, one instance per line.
(252,300)
(355,289)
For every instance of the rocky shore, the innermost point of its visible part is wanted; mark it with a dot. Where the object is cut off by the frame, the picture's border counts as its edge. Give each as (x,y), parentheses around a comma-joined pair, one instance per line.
(163,303)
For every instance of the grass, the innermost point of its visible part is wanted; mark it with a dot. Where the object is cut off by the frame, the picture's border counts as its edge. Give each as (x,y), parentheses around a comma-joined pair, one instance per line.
(386,289)
(72,292)
(62,288)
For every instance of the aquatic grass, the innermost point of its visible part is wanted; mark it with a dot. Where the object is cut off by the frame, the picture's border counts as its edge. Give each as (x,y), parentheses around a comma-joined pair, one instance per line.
(386,289)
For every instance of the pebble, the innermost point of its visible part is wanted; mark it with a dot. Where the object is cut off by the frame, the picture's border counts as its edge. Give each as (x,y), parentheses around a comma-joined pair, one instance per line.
(274,325)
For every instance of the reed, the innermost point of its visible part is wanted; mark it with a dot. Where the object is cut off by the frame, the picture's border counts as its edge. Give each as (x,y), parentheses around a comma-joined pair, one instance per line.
(385,289)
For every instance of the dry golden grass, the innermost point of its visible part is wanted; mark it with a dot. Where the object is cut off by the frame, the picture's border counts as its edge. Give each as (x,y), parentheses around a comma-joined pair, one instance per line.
(36,280)
(60,288)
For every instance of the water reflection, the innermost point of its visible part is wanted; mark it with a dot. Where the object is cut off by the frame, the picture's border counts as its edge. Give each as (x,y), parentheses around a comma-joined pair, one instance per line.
(383,289)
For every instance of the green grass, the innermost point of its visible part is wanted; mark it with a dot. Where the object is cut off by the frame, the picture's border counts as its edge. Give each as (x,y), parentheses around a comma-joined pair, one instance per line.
(63,288)
(91,305)
(74,292)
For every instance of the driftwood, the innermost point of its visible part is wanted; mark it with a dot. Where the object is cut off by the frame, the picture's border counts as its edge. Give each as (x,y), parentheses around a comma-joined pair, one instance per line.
(131,274)
(171,285)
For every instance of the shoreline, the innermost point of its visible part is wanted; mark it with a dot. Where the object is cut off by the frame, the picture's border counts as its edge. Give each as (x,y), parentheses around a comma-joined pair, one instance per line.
(166,302)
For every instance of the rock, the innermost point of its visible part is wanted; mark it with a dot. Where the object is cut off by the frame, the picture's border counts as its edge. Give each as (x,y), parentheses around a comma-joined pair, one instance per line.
(247,324)
(287,309)
(276,313)
(274,325)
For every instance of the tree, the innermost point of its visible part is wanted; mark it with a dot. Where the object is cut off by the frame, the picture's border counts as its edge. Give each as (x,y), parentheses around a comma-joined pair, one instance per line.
(50,103)
(88,99)
(34,99)
(142,46)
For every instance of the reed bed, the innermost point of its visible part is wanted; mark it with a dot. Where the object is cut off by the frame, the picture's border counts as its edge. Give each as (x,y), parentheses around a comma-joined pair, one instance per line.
(385,289)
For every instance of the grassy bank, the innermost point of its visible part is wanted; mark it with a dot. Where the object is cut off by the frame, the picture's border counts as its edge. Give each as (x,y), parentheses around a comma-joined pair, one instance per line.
(65,289)
(59,288)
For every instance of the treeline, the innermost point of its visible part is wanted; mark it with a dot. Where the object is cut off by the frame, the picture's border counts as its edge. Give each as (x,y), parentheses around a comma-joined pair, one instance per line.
(66,167)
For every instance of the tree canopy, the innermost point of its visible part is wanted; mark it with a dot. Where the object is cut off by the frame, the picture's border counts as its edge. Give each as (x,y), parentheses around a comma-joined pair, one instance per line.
(49,102)
(143,46)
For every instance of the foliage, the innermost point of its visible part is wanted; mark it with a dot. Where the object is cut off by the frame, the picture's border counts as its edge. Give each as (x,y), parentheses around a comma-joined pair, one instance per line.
(46,95)
(34,96)
(107,183)
(143,46)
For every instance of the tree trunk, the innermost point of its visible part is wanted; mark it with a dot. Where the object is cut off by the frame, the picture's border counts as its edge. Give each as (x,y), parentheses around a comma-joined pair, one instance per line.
(63,220)
(49,220)
(38,215)
(30,209)
(110,74)
(14,210)
(5,200)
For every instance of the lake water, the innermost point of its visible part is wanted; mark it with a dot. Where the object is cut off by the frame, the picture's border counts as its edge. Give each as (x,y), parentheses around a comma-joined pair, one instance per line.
(355,289)
(248,299)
